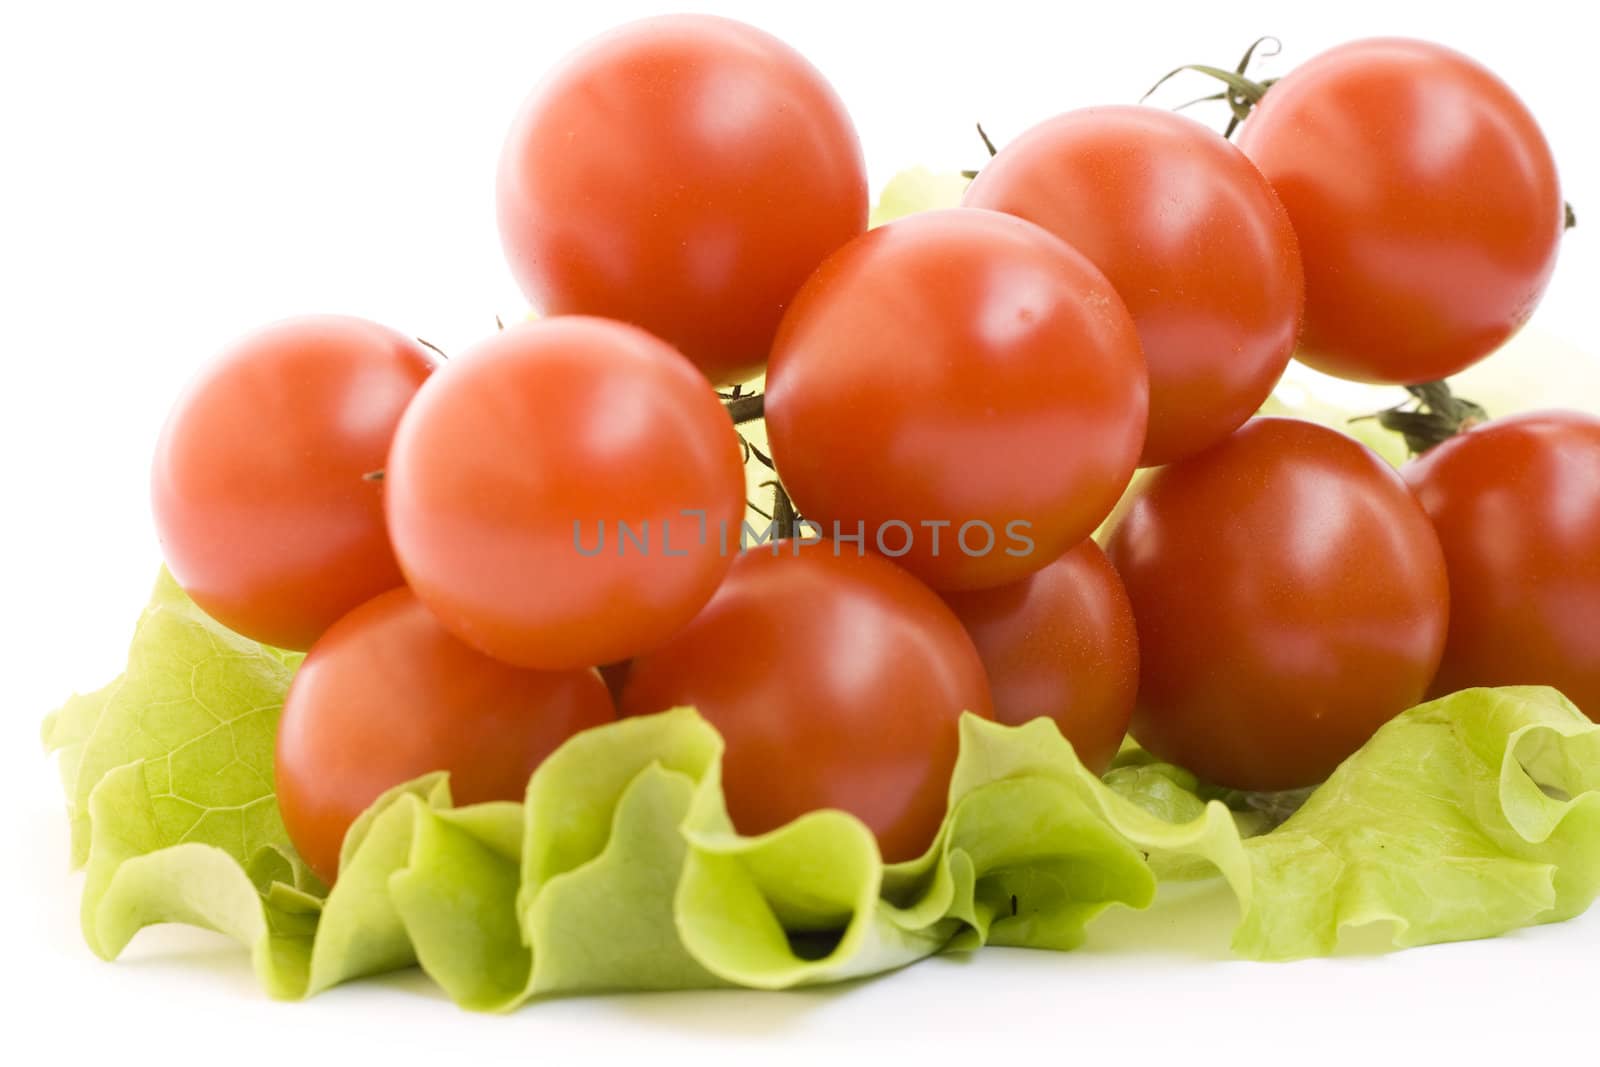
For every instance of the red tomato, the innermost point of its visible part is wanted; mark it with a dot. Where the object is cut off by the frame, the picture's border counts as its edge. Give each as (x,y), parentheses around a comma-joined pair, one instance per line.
(1062,644)
(387,695)
(961,389)
(1425,199)
(1291,598)
(683,173)
(836,680)
(1193,238)
(259,487)
(568,492)
(1516,503)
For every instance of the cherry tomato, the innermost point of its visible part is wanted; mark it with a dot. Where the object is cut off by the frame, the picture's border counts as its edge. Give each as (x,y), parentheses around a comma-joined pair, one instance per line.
(1516,503)
(684,173)
(566,493)
(837,681)
(1291,598)
(260,491)
(1193,238)
(1425,199)
(963,391)
(387,695)
(1061,643)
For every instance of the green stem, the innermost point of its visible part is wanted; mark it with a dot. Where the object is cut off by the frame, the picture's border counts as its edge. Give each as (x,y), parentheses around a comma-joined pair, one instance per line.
(746,408)
(1241,93)
(1431,417)
(784,518)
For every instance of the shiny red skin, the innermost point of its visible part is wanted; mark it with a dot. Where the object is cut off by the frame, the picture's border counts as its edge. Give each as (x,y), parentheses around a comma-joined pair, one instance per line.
(549,424)
(1060,644)
(684,173)
(259,489)
(1516,503)
(958,366)
(1291,598)
(386,696)
(1426,201)
(1192,237)
(837,681)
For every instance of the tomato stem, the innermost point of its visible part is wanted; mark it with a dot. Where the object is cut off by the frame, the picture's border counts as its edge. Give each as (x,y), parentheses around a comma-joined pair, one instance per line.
(984,136)
(746,408)
(1274,809)
(752,452)
(785,520)
(988,144)
(1240,93)
(1432,416)
(1570,215)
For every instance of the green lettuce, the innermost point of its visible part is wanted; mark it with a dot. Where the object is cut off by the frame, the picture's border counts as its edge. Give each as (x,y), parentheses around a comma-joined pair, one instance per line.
(196,712)
(918,189)
(1462,818)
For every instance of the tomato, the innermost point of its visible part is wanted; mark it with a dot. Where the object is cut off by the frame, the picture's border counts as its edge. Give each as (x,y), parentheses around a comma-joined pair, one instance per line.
(1192,237)
(1061,643)
(962,391)
(259,488)
(837,681)
(1425,199)
(1291,598)
(683,173)
(386,695)
(1516,503)
(567,493)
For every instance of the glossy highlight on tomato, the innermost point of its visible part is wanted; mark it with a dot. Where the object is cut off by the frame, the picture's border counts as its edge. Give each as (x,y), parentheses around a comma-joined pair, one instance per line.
(1426,202)
(567,493)
(836,680)
(387,696)
(1192,237)
(1291,597)
(1060,644)
(684,173)
(951,368)
(1516,503)
(260,487)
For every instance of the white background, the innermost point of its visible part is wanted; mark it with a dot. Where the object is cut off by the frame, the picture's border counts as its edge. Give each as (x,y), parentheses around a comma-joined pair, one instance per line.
(171,175)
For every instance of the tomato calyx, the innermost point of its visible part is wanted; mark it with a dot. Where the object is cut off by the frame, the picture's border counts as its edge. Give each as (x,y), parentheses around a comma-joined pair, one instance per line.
(1432,416)
(1240,92)
(752,451)
(785,519)
(1272,809)
(983,135)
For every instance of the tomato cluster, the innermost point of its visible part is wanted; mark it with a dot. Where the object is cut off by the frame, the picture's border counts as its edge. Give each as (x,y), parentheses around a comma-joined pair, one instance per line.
(488,554)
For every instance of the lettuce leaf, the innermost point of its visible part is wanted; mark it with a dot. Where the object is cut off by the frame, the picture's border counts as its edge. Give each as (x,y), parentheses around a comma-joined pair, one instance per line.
(197,712)
(918,189)
(1466,817)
